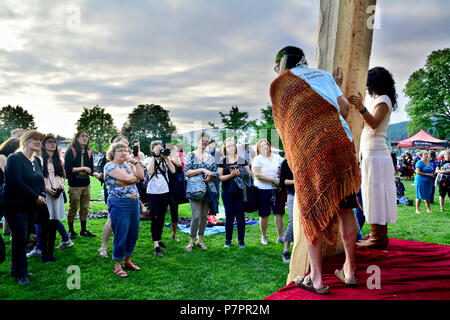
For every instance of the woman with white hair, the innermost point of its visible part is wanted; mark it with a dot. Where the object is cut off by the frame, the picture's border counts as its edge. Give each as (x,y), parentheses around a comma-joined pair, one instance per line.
(121,176)
(24,192)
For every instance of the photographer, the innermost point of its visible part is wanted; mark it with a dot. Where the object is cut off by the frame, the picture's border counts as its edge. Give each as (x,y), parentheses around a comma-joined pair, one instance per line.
(158,190)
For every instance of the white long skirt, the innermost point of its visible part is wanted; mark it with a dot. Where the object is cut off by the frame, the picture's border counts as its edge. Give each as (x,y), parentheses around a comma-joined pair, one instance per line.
(378,187)
(56,207)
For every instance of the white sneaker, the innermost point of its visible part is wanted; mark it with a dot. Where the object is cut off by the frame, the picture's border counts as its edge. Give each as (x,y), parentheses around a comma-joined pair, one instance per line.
(264,240)
(65,244)
(34,253)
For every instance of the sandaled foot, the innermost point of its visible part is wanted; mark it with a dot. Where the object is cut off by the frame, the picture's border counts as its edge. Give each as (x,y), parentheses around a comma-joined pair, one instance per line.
(306,283)
(175,239)
(202,245)
(131,266)
(120,273)
(349,282)
(103,252)
(190,247)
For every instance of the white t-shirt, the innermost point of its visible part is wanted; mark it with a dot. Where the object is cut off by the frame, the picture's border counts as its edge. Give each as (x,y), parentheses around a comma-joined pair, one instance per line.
(157,185)
(269,167)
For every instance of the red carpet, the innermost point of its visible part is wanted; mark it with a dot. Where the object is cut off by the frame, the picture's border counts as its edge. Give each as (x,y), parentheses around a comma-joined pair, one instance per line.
(409,270)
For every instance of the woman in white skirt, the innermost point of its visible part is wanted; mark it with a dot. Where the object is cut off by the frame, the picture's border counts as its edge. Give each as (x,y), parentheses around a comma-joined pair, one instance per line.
(377,171)
(53,172)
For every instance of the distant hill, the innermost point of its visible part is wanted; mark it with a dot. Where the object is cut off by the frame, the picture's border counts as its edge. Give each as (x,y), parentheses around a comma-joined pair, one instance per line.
(398,131)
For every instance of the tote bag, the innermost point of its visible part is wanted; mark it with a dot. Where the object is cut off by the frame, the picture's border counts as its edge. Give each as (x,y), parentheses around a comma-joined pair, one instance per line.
(196,188)
(252,203)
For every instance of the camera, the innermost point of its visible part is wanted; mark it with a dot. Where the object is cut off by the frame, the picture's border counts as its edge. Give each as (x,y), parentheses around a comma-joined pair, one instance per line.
(57,192)
(164,152)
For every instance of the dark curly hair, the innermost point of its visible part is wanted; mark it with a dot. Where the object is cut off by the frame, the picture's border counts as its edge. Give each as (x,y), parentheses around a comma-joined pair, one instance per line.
(381,82)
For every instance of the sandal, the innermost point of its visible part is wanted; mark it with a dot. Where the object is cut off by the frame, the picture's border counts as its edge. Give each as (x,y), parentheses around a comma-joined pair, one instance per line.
(190,247)
(351,283)
(306,283)
(103,252)
(120,273)
(202,245)
(131,266)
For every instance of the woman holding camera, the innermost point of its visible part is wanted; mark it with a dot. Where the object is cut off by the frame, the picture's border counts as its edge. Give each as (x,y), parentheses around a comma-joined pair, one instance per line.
(53,172)
(158,166)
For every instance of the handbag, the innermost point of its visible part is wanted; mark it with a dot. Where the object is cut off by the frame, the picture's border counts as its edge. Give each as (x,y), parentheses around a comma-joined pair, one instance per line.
(234,190)
(196,188)
(252,204)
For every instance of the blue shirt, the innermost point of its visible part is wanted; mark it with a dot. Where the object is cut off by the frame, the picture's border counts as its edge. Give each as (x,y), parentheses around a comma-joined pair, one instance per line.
(323,83)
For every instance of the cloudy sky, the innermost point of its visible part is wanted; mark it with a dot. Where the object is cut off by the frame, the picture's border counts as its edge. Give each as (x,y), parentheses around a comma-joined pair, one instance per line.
(193,57)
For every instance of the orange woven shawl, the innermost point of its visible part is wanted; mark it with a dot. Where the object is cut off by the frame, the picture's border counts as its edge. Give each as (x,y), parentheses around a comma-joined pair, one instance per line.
(319,153)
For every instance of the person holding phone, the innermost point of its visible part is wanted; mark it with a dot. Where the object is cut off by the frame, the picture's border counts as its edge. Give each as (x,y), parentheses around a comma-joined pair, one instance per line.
(158,166)
(228,169)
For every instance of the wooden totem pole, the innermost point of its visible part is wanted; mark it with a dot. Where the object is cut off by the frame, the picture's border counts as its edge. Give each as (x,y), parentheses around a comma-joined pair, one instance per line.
(345,40)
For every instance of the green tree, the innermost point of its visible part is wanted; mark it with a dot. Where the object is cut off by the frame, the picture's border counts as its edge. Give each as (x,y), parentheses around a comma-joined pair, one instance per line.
(100,126)
(12,118)
(266,126)
(429,92)
(149,122)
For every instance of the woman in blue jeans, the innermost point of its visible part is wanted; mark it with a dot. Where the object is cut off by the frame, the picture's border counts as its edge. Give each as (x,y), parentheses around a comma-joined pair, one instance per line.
(228,170)
(121,176)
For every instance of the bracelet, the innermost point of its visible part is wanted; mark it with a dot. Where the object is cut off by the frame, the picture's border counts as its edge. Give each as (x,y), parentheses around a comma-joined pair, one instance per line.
(363,110)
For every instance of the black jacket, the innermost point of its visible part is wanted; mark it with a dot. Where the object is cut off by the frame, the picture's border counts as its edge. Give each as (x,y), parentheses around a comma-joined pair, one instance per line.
(24,181)
(78,179)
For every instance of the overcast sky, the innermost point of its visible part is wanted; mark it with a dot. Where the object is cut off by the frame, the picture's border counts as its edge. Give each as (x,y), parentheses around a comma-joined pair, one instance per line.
(193,57)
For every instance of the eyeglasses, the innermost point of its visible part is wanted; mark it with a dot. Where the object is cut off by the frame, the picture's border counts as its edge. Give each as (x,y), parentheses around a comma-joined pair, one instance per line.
(277,68)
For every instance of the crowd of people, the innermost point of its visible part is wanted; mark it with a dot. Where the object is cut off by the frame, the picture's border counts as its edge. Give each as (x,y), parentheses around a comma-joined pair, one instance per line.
(34,170)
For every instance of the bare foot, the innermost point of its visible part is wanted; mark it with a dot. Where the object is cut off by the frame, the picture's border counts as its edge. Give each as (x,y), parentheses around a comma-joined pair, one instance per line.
(430,211)
(418,212)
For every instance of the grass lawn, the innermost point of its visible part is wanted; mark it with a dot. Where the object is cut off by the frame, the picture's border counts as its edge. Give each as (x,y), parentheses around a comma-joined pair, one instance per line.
(213,274)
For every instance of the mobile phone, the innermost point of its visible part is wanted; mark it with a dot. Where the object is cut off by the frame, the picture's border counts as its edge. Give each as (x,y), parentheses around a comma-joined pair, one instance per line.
(135,151)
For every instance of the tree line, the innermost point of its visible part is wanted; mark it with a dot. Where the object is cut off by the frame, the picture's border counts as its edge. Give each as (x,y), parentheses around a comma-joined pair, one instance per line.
(145,123)
(428,90)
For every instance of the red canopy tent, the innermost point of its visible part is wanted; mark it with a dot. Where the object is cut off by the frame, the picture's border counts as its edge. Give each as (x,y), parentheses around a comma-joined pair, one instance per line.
(421,140)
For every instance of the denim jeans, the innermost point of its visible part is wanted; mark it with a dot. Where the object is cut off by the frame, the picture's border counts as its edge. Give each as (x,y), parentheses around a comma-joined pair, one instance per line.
(233,209)
(59,227)
(125,215)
